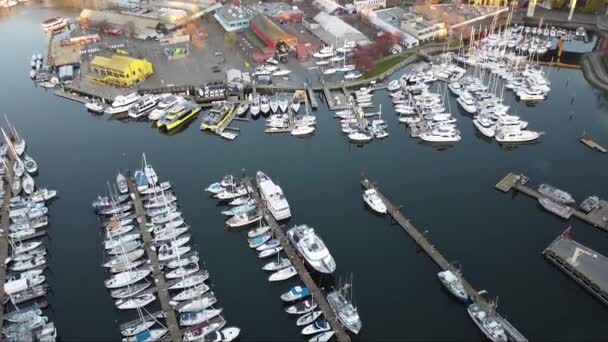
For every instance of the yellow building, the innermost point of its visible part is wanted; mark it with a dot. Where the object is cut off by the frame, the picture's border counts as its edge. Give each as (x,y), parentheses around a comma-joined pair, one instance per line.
(120,70)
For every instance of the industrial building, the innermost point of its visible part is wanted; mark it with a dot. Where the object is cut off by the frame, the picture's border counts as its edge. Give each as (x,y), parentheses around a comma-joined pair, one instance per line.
(235,18)
(143,27)
(331,29)
(270,32)
(421,28)
(389,20)
(280,11)
(119,70)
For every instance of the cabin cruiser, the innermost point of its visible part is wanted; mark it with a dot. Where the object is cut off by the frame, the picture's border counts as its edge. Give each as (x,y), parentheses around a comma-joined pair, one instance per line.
(516,135)
(274,197)
(264,105)
(467,102)
(122,103)
(487,324)
(344,309)
(359,137)
(95,107)
(144,104)
(244,219)
(441,134)
(556,194)
(453,283)
(485,125)
(164,106)
(312,248)
(370,196)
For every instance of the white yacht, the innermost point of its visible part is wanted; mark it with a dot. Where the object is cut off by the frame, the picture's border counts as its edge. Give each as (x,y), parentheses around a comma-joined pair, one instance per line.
(283,104)
(530,94)
(453,283)
(312,248)
(264,105)
(274,197)
(441,135)
(370,196)
(255,107)
(144,104)
(485,125)
(122,103)
(487,324)
(516,135)
(467,102)
(95,107)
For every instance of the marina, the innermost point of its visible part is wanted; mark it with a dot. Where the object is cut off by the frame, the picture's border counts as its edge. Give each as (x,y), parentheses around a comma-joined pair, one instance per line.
(581,263)
(597,216)
(426,246)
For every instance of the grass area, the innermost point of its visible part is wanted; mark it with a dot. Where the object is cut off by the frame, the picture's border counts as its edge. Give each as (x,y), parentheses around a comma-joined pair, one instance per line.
(386,64)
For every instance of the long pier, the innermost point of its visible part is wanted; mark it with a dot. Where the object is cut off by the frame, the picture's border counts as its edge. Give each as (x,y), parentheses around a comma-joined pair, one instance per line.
(598,217)
(5,224)
(159,278)
(592,144)
(426,246)
(298,264)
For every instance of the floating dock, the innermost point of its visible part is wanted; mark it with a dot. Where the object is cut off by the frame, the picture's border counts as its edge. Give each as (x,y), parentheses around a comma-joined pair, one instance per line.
(584,265)
(426,246)
(5,224)
(598,217)
(592,144)
(313,98)
(298,264)
(159,278)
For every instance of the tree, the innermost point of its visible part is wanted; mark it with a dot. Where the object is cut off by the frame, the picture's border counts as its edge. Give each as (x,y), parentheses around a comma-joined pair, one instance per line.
(230,39)
(364,60)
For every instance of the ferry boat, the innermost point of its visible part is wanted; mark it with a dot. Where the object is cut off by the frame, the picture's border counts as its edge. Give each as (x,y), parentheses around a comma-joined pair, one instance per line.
(171,122)
(144,104)
(55,24)
(274,197)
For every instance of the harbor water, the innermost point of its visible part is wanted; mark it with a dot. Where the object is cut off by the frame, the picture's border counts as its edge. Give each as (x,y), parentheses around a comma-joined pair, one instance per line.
(496,238)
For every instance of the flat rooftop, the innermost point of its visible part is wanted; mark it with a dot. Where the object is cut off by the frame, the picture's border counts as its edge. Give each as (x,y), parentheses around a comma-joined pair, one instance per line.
(65,55)
(274,9)
(457,14)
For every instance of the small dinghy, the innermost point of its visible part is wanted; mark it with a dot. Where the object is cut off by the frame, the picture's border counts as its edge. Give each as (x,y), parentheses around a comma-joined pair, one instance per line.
(135,302)
(276,265)
(295,293)
(224,335)
(316,327)
(283,274)
(258,231)
(269,252)
(308,318)
(302,307)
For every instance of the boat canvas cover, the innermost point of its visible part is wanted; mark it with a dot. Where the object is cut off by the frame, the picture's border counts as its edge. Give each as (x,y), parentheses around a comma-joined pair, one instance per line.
(15,286)
(143,336)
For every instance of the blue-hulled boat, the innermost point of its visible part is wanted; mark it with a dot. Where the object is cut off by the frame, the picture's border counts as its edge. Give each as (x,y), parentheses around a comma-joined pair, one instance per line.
(259,240)
(295,293)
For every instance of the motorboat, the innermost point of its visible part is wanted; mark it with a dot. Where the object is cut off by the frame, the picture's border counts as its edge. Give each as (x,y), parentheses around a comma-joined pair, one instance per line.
(273,243)
(441,135)
(95,107)
(137,328)
(42,195)
(201,331)
(182,271)
(140,180)
(148,335)
(135,302)
(269,252)
(241,110)
(274,104)
(295,103)
(516,135)
(264,105)
(259,240)
(556,194)
(394,85)
(126,278)
(283,274)
(590,203)
(273,195)
(168,252)
(255,107)
(295,293)
(283,104)
(352,75)
(121,182)
(244,219)
(299,131)
(316,327)
(322,337)
(198,317)
(28,184)
(344,309)
(308,318)
(231,192)
(558,208)
(302,307)
(258,231)
(241,201)
(184,260)
(312,248)
(359,137)
(453,283)
(143,105)
(485,125)
(373,200)
(487,324)
(224,335)
(276,265)
(467,102)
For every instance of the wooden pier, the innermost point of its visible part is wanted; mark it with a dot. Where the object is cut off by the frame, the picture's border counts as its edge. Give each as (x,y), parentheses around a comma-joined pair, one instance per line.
(5,224)
(159,277)
(313,98)
(592,144)
(597,217)
(298,264)
(70,96)
(426,246)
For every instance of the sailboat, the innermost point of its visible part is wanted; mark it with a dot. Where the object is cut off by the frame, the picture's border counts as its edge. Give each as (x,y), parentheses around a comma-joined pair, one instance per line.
(149,172)
(18,142)
(28,184)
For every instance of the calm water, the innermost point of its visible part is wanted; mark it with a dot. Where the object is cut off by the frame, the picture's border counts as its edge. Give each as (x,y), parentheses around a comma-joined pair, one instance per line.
(497,238)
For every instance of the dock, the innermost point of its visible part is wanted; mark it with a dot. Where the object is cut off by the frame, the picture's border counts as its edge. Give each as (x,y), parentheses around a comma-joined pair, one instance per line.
(159,278)
(427,247)
(586,266)
(5,223)
(70,96)
(597,217)
(298,264)
(313,98)
(592,144)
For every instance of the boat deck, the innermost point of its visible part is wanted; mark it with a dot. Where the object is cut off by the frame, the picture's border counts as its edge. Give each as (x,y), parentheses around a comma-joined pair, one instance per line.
(426,246)
(592,144)
(5,222)
(298,264)
(581,263)
(159,278)
(598,217)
